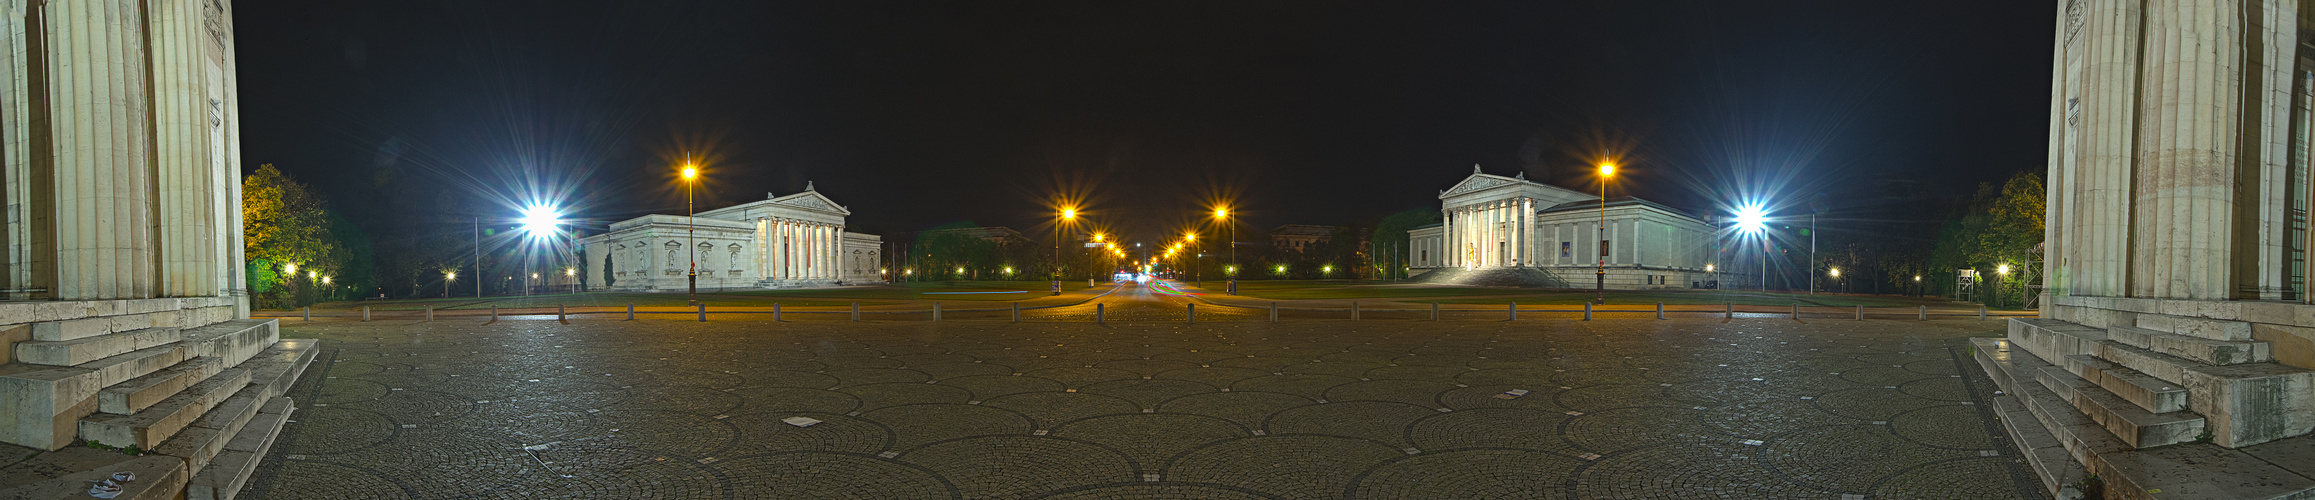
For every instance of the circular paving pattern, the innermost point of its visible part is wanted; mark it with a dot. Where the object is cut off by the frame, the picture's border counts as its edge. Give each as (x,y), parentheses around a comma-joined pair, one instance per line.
(1229,408)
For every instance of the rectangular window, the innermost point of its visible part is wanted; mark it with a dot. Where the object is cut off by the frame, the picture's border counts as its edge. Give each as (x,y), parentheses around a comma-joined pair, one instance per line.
(1564,249)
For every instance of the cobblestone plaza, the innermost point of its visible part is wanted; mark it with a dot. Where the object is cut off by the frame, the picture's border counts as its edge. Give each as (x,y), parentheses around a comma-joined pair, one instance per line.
(1536,408)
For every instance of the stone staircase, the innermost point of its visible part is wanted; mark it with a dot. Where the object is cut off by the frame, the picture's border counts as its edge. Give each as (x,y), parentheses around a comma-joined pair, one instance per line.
(2109,400)
(209,396)
(1523,277)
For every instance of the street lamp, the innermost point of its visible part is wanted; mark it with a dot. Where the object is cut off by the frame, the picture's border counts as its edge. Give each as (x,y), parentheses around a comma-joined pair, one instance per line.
(1607,171)
(690,231)
(1067,214)
(572,275)
(1223,214)
(447,278)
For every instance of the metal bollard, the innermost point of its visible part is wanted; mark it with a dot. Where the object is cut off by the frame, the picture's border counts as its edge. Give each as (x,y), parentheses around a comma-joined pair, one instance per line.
(775,311)
(1098,311)
(429,313)
(494,313)
(1860,313)
(703,311)
(1659,310)
(1354,311)
(1587,311)
(936,311)
(561,314)
(1728,310)
(365,313)
(309,313)
(1796,310)
(1514,311)
(1925,313)
(1016,312)
(856,311)
(630,311)
(1273,312)
(1434,311)
(1981,312)
(1193,314)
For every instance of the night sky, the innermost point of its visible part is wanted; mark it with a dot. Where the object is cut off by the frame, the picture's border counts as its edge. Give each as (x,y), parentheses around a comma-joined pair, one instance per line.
(916,114)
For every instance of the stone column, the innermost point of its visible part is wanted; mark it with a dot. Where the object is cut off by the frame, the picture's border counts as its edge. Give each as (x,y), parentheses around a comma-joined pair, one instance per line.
(1446,238)
(2186,148)
(103,224)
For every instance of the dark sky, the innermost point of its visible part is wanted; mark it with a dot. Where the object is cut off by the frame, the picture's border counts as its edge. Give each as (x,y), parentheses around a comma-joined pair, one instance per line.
(922,113)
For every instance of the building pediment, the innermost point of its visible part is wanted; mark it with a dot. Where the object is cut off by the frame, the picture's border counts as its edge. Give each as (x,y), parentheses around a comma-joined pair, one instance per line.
(812,200)
(1479,182)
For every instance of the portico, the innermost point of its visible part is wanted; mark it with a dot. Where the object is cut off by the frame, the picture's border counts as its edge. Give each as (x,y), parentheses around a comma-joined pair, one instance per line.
(1493,222)
(786,241)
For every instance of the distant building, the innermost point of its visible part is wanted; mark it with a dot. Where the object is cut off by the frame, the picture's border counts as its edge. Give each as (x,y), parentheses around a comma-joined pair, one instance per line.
(1494,221)
(1302,237)
(781,241)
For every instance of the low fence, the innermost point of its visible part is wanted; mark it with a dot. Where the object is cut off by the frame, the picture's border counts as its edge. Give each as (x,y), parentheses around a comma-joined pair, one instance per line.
(1099,313)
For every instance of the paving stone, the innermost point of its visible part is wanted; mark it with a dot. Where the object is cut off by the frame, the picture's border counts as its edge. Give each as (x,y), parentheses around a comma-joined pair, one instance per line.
(1231,407)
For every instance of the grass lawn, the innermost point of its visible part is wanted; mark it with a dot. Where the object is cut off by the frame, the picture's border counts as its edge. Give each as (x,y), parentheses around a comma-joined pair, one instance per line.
(844,296)
(1754,298)
(1348,289)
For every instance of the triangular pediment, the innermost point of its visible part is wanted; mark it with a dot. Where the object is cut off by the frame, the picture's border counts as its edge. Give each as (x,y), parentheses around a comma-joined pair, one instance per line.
(1478,182)
(812,200)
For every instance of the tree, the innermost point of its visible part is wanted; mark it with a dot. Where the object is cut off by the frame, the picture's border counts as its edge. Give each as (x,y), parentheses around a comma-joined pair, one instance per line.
(284,223)
(2001,227)
(1391,236)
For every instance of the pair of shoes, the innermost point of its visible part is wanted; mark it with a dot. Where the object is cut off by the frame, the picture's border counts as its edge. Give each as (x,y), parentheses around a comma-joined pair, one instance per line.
(124,476)
(104,488)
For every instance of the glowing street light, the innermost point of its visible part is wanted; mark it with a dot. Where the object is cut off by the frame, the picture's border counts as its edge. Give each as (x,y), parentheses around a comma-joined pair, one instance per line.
(1835,272)
(448,277)
(539,221)
(1068,214)
(1752,219)
(2004,269)
(1223,214)
(690,229)
(1607,171)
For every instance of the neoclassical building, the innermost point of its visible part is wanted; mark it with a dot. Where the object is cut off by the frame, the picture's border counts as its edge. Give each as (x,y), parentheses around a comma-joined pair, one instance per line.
(797,240)
(1496,222)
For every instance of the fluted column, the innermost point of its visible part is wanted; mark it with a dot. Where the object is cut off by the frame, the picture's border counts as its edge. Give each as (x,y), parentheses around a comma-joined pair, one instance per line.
(103,184)
(2188,139)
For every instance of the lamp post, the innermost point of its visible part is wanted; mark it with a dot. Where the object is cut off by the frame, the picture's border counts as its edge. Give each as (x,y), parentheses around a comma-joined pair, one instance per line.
(1067,214)
(1223,214)
(448,278)
(1197,257)
(1607,171)
(690,230)
(571,277)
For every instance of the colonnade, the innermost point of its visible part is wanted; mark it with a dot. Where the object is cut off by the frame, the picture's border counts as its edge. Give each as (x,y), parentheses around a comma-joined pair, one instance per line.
(1490,234)
(800,249)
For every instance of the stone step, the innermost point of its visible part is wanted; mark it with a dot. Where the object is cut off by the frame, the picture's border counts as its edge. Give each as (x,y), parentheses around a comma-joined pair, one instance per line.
(2212,329)
(2017,373)
(2247,404)
(278,367)
(137,393)
(233,341)
(2207,351)
(2135,426)
(83,350)
(65,394)
(226,473)
(208,435)
(2053,339)
(158,478)
(2057,469)
(2149,393)
(148,428)
(90,327)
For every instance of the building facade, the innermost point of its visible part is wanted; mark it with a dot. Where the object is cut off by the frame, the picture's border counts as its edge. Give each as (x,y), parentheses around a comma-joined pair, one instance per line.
(797,240)
(1493,222)
(123,302)
(2177,331)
